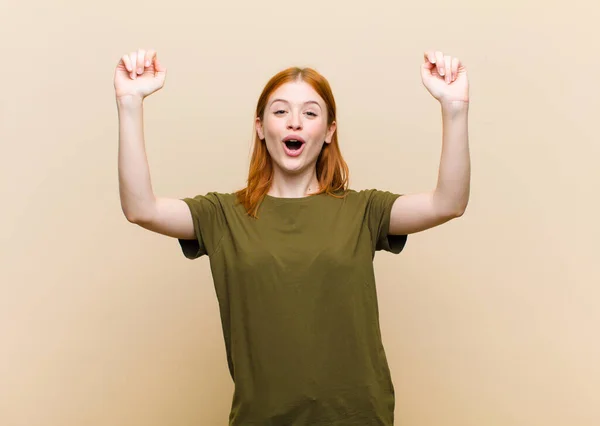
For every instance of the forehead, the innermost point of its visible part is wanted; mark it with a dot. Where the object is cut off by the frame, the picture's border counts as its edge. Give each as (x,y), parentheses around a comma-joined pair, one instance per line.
(297,92)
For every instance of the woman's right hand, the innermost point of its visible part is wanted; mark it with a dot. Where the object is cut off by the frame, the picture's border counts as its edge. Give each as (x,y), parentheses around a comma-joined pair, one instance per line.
(139,74)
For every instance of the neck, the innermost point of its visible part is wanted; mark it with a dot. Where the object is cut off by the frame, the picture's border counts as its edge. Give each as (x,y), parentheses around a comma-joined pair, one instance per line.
(299,185)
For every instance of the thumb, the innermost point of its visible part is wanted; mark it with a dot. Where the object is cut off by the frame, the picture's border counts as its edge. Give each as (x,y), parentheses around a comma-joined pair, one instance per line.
(426,69)
(159,67)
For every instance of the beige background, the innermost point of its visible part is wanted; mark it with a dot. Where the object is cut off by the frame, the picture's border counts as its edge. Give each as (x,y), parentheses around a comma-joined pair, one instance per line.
(491,319)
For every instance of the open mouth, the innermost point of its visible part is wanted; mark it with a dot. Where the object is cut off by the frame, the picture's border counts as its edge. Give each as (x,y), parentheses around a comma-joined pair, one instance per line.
(293,144)
(293,147)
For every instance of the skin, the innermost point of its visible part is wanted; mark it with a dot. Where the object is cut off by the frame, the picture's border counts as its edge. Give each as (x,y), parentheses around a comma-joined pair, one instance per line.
(445,78)
(294,108)
(140,74)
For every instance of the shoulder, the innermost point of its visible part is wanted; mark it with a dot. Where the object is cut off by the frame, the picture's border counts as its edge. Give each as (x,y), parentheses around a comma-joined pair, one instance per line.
(370,195)
(215,197)
(213,201)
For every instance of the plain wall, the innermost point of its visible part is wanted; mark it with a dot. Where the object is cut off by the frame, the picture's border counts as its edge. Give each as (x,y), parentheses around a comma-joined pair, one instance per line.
(491,319)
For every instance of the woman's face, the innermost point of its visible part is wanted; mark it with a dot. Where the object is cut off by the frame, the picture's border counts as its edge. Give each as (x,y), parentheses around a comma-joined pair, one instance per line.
(294,127)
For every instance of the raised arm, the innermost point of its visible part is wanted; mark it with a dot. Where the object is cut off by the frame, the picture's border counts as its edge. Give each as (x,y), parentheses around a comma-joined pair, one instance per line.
(138,75)
(446,79)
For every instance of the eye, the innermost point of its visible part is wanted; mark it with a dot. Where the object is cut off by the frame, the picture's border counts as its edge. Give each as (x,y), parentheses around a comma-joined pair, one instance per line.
(278,111)
(311,113)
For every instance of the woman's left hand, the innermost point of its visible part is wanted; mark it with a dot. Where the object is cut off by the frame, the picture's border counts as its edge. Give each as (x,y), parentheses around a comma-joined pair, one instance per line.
(445,77)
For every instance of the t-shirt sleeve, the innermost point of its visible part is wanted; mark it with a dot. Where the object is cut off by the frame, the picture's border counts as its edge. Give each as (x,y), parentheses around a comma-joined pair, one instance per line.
(209,219)
(379,209)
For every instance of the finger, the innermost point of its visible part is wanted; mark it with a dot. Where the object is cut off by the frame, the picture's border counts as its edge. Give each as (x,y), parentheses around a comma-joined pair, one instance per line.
(150,55)
(133,60)
(126,62)
(439,60)
(428,65)
(158,67)
(426,69)
(140,60)
(455,64)
(429,57)
(448,67)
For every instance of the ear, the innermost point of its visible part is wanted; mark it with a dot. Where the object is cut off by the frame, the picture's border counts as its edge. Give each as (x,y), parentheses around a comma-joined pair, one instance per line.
(330,132)
(259,129)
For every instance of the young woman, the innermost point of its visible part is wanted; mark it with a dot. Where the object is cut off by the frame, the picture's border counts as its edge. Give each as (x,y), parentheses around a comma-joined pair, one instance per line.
(291,254)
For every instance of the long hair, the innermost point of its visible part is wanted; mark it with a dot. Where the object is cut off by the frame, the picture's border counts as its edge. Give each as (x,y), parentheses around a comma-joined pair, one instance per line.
(332,170)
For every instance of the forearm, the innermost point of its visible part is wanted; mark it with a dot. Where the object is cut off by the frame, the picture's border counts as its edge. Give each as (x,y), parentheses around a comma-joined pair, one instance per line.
(453,186)
(135,187)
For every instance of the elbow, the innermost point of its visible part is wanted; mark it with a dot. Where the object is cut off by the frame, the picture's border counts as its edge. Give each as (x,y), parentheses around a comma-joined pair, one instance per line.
(459,207)
(139,214)
(454,210)
(132,219)
(132,216)
(450,207)
(459,211)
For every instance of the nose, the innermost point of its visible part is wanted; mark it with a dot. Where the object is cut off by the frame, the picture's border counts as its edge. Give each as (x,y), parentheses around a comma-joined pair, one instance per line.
(294,121)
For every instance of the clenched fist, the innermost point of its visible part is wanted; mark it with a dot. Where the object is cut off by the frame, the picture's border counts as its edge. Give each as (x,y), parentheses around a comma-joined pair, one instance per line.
(139,74)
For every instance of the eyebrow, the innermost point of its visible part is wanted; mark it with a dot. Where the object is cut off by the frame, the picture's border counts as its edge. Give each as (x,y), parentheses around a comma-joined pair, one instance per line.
(307,102)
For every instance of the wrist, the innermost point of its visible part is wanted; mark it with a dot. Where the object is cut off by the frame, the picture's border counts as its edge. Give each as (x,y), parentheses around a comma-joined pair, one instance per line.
(454,108)
(454,103)
(127,101)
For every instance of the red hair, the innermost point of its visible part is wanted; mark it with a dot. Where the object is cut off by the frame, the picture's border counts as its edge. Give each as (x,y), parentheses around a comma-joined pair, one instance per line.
(332,170)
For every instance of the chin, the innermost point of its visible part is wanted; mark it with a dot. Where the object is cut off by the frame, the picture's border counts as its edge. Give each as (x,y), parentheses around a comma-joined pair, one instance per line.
(292,165)
(297,167)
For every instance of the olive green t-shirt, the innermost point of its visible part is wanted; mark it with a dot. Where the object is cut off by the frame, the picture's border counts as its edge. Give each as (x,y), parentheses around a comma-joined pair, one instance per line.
(298,304)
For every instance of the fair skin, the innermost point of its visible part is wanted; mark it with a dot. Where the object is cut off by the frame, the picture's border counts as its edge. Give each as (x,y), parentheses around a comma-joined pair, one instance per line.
(446,80)
(300,112)
(294,110)
(290,110)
